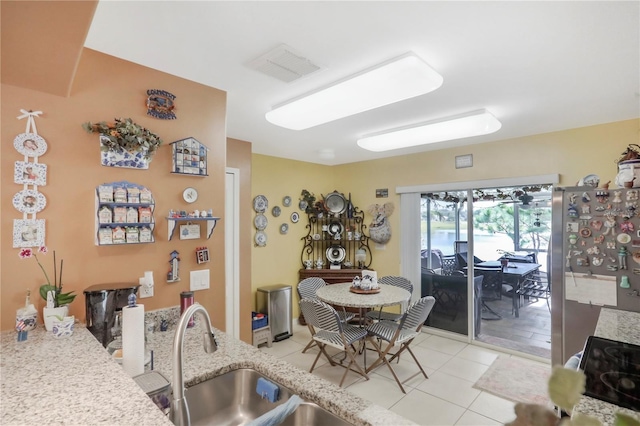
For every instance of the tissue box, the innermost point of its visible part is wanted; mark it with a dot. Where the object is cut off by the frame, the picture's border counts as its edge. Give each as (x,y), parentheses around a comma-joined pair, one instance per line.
(259,320)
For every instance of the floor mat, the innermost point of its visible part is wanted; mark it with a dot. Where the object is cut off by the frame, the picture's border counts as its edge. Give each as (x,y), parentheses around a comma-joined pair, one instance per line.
(517,380)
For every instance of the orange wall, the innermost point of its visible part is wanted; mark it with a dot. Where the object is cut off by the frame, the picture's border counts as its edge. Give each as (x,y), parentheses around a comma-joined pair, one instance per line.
(106,87)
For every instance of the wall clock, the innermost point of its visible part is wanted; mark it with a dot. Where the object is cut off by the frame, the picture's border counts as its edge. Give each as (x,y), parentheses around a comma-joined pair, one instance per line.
(190,195)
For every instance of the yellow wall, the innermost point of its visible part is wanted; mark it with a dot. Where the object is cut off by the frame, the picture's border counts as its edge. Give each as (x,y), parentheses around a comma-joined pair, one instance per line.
(104,88)
(572,153)
(279,261)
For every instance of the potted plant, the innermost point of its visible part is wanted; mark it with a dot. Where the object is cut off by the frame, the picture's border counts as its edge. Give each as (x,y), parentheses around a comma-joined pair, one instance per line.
(124,143)
(57,304)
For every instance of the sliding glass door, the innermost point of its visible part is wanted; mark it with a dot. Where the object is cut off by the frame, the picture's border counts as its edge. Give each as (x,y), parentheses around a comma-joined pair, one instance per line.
(466,276)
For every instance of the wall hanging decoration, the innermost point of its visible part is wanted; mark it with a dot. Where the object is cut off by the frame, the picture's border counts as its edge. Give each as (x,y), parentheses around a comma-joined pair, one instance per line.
(160,104)
(189,157)
(29,231)
(202,255)
(29,201)
(193,219)
(380,229)
(124,214)
(174,268)
(28,173)
(189,231)
(125,143)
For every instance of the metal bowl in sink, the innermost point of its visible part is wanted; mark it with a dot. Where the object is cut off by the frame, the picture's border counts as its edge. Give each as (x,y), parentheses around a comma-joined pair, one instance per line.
(231,399)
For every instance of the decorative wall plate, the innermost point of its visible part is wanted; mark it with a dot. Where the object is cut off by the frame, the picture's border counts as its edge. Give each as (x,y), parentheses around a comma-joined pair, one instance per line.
(260,222)
(190,195)
(295,217)
(335,203)
(261,239)
(29,201)
(336,254)
(30,144)
(302,205)
(275,211)
(335,228)
(284,228)
(30,173)
(260,203)
(286,201)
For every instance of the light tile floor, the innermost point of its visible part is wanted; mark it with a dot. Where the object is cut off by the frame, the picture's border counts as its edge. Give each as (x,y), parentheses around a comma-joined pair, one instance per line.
(446,398)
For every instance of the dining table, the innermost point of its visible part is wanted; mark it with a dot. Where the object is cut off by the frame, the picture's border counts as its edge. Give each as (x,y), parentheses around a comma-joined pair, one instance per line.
(341,295)
(515,273)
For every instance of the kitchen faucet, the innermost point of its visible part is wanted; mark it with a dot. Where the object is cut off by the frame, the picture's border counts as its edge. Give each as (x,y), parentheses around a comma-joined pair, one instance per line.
(179,407)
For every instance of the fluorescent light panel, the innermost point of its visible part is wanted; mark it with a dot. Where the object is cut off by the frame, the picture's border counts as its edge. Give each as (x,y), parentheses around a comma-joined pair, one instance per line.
(476,123)
(394,81)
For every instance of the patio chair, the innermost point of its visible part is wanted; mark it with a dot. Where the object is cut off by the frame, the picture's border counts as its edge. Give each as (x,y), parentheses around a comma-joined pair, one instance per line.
(401,333)
(307,290)
(327,330)
(493,285)
(381,315)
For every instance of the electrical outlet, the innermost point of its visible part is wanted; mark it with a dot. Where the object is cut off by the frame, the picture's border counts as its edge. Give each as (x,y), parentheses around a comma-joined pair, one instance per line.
(199,280)
(145,291)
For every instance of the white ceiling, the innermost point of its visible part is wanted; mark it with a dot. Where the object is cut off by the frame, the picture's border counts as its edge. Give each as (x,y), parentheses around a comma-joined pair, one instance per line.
(537,66)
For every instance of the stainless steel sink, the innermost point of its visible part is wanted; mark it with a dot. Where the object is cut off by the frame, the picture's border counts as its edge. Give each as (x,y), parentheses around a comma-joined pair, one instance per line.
(231,399)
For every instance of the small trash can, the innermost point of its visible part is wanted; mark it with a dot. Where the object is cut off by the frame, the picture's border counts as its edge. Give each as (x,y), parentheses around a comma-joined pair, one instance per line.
(275,301)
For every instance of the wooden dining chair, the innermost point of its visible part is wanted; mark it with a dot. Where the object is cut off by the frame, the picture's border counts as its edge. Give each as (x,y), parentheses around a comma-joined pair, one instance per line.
(307,289)
(402,333)
(381,315)
(327,330)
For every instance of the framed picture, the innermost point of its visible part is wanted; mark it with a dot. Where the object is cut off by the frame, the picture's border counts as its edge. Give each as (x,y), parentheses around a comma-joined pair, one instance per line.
(29,201)
(28,233)
(30,173)
(30,144)
(189,232)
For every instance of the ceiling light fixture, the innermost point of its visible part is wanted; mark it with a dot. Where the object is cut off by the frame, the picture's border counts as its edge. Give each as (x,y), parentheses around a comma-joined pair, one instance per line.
(393,81)
(476,123)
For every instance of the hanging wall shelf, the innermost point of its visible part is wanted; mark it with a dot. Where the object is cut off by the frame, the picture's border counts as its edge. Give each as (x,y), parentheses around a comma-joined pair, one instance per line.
(172,222)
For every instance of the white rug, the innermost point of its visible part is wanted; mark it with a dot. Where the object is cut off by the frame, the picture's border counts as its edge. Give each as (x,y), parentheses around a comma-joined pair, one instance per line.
(517,380)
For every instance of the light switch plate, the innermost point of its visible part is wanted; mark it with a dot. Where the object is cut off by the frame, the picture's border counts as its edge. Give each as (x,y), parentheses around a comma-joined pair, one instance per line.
(199,280)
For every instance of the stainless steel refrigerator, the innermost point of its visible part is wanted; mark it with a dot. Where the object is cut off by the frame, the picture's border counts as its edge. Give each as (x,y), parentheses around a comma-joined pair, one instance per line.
(595,261)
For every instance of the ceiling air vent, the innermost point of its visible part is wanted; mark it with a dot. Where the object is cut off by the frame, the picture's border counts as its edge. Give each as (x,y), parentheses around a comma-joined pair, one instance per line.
(284,63)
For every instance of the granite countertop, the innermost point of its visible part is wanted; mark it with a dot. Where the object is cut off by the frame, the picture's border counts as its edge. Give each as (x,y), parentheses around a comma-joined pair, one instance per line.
(74,380)
(623,326)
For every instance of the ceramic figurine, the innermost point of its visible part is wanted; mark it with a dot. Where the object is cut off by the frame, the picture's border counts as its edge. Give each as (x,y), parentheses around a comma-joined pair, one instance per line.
(308,264)
(319,263)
